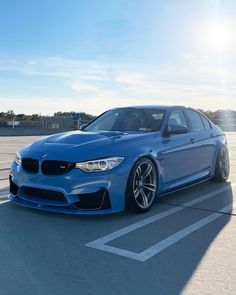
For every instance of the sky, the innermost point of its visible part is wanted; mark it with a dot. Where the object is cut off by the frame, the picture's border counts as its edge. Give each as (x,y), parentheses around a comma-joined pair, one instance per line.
(92,55)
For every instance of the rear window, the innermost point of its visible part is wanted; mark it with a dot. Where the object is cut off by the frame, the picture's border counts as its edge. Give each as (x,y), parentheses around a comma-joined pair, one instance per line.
(195,120)
(206,123)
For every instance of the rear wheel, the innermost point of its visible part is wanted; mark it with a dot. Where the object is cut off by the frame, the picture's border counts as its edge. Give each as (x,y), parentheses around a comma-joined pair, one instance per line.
(142,186)
(222,166)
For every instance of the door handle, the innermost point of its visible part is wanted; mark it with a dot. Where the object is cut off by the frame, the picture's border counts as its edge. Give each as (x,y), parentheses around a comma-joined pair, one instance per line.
(192,140)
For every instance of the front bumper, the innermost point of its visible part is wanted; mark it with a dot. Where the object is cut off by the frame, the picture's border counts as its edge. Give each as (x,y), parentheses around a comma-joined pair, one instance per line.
(76,192)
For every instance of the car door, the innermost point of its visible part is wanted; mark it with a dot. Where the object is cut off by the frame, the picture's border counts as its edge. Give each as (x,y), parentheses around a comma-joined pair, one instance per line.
(203,136)
(178,156)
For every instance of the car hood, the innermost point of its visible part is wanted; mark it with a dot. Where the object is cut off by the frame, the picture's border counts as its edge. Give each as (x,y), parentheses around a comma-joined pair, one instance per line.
(81,146)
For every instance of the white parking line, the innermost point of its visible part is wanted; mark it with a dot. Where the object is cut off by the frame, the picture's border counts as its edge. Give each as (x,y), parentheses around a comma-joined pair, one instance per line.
(3,195)
(2,202)
(157,248)
(4,190)
(3,198)
(148,253)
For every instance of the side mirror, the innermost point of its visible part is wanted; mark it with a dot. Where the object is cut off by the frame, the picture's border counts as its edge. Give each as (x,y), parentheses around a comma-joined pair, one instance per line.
(176,129)
(83,126)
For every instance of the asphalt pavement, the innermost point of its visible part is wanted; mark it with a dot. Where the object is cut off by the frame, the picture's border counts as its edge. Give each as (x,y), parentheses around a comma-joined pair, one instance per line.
(184,245)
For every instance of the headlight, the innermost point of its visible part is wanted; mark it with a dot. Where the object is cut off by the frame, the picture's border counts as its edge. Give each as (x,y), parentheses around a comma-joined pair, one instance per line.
(18,159)
(100,165)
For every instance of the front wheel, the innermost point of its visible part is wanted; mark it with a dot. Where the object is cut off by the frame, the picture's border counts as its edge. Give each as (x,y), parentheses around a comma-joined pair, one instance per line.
(222,166)
(142,186)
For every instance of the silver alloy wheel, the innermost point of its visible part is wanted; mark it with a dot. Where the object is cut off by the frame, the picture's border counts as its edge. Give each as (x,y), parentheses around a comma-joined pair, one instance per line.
(144,184)
(224,163)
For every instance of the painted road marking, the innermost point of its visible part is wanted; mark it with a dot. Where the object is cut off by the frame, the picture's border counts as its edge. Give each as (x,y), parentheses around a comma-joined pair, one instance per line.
(4,189)
(4,201)
(100,243)
(3,195)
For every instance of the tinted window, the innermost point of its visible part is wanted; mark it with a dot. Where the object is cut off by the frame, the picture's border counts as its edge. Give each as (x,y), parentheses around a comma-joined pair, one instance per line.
(195,120)
(206,123)
(176,118)
(128,119)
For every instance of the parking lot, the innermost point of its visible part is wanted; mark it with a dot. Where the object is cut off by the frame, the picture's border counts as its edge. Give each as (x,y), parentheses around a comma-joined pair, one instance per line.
(186,244)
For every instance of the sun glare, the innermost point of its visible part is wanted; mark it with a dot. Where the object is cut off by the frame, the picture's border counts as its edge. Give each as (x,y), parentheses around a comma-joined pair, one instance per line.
(219,37)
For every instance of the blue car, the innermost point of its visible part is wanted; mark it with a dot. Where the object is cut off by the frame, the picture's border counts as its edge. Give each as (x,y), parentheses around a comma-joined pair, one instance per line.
(125,159)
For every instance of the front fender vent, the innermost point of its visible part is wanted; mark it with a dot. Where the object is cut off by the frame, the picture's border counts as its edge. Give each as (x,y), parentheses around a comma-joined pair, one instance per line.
(94,201)
(13,187)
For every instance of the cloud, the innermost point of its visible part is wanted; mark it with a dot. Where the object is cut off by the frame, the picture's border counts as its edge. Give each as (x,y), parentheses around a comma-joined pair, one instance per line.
(94,86)
(79,87)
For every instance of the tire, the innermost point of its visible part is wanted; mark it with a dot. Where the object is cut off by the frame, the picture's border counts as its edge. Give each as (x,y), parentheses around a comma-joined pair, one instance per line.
(140,195)
(222,167)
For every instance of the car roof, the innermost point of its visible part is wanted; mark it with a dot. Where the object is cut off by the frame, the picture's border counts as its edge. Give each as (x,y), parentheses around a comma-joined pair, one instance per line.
(151,107)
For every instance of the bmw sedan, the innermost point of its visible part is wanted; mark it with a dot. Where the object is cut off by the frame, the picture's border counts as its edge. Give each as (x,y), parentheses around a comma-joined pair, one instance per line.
(124,159)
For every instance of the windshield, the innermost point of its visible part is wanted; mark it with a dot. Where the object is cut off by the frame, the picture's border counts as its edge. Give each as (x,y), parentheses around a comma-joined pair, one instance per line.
(128,120)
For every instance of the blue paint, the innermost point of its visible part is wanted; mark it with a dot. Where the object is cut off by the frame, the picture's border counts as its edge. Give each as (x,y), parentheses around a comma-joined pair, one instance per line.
(180,161)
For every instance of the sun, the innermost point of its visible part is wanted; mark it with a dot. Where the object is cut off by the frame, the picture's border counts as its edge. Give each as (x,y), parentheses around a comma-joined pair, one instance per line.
(219,36)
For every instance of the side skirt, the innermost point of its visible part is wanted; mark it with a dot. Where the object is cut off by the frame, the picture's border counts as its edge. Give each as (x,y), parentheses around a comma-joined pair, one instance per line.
(187,186)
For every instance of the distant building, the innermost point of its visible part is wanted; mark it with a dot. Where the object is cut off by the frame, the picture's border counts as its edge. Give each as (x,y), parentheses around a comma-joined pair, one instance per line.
(13,123)
(45,125)
(58,122)
(69,122)
(83,118)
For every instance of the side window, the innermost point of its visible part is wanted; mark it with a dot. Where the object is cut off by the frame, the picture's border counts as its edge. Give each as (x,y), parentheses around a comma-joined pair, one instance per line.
(176,118)
(196,122)
(206,123)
